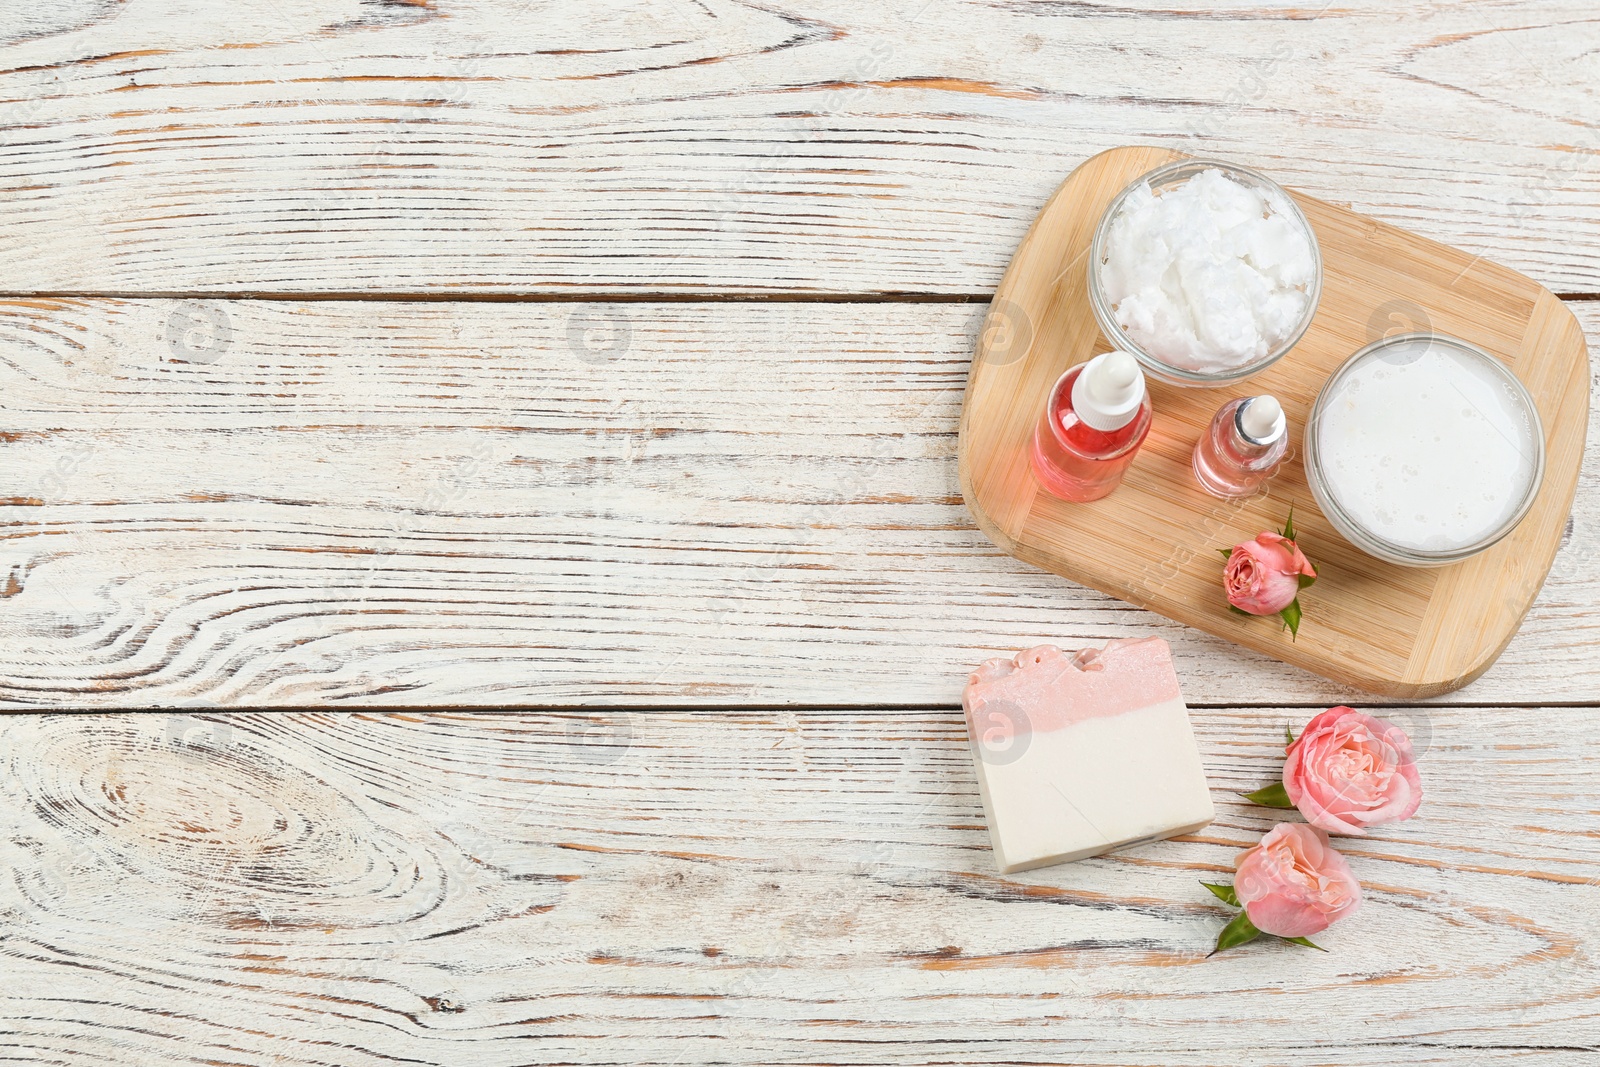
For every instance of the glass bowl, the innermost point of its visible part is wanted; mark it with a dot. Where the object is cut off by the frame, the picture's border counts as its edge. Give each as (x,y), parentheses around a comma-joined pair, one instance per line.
(1160,180)
(1485,382)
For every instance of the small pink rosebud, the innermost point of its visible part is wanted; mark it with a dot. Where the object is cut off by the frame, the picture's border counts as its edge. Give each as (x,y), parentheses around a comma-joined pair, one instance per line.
(1294,884)
(1263,576)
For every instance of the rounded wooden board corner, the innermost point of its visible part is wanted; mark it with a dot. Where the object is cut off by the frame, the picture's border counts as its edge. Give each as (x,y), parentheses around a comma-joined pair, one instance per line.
(1400,632)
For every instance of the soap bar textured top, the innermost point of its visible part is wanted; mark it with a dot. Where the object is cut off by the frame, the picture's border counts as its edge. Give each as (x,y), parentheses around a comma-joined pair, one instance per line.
(1082,754)
(1057,690)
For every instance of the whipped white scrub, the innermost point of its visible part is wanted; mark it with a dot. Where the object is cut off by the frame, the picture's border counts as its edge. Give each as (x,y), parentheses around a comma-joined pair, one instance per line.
(1209,276)
(1426,447)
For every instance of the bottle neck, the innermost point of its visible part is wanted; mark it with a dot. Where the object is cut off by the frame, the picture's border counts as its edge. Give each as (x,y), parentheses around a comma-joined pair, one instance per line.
(1096,415)
(1243,444)
(1067,426)
(1231,440)
(1241,436)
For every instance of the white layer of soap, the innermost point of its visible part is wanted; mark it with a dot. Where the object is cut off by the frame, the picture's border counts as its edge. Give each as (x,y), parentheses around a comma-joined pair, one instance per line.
(1081,755)
(1426,447)
(1210,275)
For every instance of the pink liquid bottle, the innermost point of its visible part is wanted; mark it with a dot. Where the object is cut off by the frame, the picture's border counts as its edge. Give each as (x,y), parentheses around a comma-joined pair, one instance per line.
(1093,424)
(1242,447)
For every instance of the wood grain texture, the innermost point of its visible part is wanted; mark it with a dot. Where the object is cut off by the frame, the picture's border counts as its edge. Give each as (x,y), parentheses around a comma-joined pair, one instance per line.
(1398,632)
(278,504)
(398,504)
(497,890)
(408,146)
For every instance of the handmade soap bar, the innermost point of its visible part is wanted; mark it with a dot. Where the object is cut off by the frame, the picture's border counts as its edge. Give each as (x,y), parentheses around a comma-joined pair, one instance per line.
(1079,755)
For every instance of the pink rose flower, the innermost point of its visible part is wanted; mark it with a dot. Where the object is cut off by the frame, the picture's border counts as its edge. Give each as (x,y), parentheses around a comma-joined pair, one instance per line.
(1263,576)
(1293,884)
(1348,771)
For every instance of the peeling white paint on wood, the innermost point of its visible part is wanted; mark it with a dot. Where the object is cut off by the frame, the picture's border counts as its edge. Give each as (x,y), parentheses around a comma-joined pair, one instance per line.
(316,504)
(721,145)
(749,888)
(273,504)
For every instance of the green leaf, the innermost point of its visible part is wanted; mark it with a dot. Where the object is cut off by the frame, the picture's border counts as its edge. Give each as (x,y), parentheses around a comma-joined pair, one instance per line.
(1291,617)
(1288,732)
(1223,893)
(1227,553)
(1236,933)
(1288,524)
(1240,611)
(1271,796)
(1307,580)
(1302,941)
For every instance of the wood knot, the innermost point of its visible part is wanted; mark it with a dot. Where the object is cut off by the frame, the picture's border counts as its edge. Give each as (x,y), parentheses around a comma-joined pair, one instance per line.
(188,800)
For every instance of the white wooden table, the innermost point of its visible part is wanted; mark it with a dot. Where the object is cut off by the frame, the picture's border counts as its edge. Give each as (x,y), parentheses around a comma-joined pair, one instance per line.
(371,367)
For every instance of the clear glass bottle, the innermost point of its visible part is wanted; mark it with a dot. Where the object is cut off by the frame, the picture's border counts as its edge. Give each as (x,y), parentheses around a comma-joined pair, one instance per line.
(1096,418)
(1242,447)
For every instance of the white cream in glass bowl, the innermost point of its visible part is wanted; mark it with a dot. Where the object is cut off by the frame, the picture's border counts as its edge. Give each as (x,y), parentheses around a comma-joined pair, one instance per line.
(1205,271)
(1423,449)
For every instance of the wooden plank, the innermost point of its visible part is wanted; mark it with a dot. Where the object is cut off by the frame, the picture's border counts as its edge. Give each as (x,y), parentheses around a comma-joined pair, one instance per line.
(302,504)
(708,887)
(1397,632)
(813,146)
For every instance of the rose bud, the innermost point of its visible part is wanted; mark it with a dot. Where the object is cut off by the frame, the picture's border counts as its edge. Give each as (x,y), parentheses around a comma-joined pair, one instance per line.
(1348,771)
(1263,576)
(1293,883)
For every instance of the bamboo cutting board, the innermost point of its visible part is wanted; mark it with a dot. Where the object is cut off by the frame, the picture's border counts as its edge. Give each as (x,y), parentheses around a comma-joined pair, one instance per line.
(1397,631)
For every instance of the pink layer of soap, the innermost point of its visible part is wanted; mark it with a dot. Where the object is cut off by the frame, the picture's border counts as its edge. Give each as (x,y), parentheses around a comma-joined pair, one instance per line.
(1044,689)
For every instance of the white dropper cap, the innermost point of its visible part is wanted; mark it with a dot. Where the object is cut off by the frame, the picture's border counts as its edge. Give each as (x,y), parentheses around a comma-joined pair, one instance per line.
(1261,419)
(1106,396)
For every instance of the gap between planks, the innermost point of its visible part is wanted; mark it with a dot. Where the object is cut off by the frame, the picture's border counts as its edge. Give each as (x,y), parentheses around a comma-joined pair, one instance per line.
(518,298)
(550,298)
(759,709)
